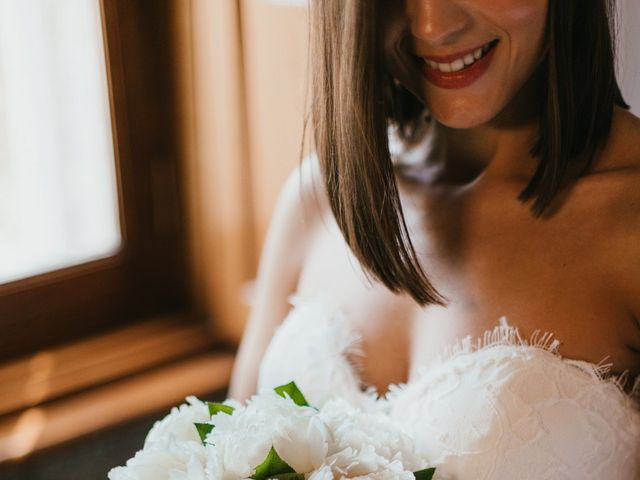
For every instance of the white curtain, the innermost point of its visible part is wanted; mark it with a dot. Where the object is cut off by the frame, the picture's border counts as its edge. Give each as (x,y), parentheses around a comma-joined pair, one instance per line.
(58,201)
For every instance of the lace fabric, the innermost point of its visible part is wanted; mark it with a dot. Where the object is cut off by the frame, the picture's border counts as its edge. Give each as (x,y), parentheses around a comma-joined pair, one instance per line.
(507,335)
(499,407)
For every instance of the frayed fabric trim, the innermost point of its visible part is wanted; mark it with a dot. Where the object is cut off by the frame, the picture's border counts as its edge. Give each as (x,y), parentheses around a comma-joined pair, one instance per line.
(507,335)
(501,335)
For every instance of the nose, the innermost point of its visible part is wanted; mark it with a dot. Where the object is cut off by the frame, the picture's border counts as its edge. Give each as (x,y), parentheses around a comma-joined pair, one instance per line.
(437,22)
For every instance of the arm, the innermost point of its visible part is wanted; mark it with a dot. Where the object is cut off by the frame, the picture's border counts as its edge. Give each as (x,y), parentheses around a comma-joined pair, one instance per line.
(295,214)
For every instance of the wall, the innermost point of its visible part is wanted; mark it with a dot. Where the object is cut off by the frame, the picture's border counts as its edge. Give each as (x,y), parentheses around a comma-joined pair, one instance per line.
(629,51)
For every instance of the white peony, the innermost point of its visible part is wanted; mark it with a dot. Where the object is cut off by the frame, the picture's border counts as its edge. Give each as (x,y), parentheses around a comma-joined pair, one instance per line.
(178,424)
(176,460)
(243,440)
(337,442)
(365,445)
(172,449)
(323,473)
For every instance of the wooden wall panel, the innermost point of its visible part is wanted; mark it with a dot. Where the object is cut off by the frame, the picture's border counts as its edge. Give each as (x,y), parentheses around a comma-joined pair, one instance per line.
(275,38)
(215,160)
(242,87)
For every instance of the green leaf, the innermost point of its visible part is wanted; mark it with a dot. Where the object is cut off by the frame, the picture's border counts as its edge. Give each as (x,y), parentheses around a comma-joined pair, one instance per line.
(204,429)
(289,476)
(272,467)
(215,408)
(425,474)
(294,393)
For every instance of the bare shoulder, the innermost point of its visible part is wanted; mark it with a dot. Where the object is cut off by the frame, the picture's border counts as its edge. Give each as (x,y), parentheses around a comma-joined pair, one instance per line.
(604,206)
(297,211)
(307,183)
(612,187)
(615,196)
(300,207)
(622,151)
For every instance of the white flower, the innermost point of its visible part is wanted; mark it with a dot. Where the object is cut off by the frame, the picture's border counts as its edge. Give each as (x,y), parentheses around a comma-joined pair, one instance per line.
(338,442)
(302,441)
(176,460)
(323,473)
(178,424)
(172,449)
(365,445)
(195,471)
(243,440)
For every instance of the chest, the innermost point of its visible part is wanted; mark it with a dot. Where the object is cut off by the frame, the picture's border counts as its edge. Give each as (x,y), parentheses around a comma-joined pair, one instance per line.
(489,258)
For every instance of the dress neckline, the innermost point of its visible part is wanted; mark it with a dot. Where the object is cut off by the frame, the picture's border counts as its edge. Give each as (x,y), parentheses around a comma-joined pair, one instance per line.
(502,335)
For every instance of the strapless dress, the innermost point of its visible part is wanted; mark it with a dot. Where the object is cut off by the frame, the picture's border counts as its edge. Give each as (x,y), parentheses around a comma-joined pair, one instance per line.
(495,408)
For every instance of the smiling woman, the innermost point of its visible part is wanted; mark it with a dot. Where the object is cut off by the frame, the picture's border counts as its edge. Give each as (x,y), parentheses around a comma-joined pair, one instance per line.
(507,37)
(476,160)
(544,94)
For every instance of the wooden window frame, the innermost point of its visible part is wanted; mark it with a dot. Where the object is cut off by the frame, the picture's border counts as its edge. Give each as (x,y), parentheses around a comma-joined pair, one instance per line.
(149,274)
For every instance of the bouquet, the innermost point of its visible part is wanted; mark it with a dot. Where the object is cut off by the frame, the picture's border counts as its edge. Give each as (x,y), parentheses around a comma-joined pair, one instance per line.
(276,435)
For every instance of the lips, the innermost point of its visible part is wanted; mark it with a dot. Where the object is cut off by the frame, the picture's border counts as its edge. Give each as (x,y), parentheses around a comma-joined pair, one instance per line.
(454,56)
(460,69)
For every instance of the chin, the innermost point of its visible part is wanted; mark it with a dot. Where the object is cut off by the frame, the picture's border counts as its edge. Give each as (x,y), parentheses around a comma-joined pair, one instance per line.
(462,118)
(462,113)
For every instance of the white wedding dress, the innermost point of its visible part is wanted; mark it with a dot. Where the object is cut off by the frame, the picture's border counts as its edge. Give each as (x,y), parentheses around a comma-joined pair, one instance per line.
(500,408)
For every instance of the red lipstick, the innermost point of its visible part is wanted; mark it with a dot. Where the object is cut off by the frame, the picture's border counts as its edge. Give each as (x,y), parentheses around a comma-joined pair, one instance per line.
(461,78)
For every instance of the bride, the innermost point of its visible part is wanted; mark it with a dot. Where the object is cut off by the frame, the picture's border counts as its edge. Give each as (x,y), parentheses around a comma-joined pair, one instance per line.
(466,239)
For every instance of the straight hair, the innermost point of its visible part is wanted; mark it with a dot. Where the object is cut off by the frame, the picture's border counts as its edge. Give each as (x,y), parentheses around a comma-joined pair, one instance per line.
(354,101)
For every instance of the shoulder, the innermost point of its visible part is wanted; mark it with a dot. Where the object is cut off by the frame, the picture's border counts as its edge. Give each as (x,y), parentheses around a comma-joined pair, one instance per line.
(294,218)
(299,207)
(612,188)
(615,198)
(616,176)
(605,207)
(622,150)
(306,183)
(301,203)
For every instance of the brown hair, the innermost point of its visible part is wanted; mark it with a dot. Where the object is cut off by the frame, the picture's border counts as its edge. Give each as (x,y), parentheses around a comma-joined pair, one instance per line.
(354,101)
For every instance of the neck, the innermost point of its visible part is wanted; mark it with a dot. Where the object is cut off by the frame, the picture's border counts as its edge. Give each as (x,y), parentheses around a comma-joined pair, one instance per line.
(499,147)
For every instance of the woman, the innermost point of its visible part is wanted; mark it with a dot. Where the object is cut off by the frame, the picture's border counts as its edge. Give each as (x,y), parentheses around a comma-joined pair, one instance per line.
(513,192)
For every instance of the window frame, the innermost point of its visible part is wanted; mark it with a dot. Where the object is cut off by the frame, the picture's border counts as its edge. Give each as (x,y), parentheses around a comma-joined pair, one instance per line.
(149,275)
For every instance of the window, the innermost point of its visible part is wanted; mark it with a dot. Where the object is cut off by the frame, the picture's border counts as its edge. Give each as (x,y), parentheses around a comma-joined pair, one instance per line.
(91,232)
(59,198)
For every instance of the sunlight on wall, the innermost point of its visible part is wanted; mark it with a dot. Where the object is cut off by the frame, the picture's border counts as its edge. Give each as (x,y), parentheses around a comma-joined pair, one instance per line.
(25,434)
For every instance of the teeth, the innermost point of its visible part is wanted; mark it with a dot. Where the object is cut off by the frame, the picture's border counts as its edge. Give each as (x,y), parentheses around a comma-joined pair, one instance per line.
(457,65)
(460,63)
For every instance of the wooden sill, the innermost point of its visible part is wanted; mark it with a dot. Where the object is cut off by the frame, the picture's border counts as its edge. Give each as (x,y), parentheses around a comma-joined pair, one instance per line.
(62,394)
(50,374)
(41,427)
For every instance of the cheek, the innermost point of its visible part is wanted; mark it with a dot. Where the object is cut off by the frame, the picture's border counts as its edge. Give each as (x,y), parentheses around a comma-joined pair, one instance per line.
(520,12)
(523,21)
